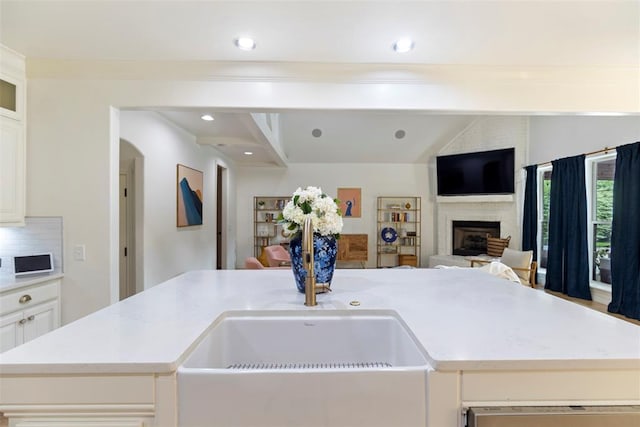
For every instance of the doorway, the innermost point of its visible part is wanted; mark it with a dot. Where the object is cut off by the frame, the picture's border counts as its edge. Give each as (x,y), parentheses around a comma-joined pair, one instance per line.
(126,263)
(130,217)
(221,258)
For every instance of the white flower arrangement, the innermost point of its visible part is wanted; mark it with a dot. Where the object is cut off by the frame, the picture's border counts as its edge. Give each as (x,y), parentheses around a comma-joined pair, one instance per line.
(325,214)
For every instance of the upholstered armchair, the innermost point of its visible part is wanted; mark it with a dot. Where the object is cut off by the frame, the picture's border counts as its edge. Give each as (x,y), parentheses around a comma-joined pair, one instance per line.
(252,263)
(521,262)
(277,256)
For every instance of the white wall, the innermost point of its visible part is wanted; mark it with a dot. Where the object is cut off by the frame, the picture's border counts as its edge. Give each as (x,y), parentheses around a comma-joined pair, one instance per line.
(69,175)
(556,137)
(73,170)
(373,179)
(169,250)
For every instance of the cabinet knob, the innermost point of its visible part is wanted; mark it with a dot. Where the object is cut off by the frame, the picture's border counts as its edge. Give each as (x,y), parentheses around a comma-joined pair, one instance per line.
(24,299)
(30,318)
(22,321)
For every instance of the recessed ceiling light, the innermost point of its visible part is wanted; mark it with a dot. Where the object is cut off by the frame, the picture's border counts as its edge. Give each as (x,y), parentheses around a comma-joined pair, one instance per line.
(245,43)
(248,153)
(207,117)
(316,133)
(403,45)
(400,133)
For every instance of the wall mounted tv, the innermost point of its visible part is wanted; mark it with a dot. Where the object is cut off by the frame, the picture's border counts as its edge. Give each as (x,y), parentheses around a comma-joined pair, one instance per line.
(479,173)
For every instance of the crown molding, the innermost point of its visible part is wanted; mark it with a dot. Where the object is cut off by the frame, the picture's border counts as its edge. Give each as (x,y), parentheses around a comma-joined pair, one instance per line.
(322,72)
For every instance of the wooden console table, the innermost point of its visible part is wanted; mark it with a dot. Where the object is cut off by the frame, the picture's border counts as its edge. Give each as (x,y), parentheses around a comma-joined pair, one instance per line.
(353,248)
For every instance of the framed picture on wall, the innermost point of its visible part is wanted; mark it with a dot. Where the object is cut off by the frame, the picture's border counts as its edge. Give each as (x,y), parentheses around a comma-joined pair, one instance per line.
(350,202)
(189,196)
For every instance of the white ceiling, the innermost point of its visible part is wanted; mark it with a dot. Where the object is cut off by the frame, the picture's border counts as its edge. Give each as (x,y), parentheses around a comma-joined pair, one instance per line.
(564,33)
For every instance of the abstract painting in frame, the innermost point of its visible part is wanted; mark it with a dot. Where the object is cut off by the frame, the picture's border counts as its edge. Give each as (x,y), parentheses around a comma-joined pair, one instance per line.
(350,202)
(189,191)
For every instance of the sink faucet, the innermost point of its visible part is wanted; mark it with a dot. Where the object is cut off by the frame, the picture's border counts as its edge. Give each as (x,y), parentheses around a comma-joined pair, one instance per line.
(307,263)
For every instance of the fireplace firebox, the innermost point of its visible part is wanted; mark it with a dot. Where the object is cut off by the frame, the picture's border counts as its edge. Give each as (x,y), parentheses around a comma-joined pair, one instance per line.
(470,237)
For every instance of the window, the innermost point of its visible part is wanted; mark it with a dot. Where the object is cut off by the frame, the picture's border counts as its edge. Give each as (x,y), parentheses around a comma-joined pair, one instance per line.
(600,176)
(544,193)
(600,173)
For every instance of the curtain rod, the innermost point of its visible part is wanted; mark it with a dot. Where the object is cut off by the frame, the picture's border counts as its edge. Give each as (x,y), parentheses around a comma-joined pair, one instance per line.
(604,150)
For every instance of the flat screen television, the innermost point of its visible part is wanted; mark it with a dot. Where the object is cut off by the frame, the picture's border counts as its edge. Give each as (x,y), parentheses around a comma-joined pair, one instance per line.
(479,173)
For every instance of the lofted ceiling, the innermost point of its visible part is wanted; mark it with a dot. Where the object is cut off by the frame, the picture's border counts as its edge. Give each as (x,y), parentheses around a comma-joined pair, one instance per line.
(536,33)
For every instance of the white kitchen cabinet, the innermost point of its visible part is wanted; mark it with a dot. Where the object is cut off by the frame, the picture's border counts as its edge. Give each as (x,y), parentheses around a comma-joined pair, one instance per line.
(10,331)
(12,172)
(12,137)
(26,313)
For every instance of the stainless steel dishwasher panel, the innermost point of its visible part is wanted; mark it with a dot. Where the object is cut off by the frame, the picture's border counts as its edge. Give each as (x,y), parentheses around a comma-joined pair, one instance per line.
(554,416)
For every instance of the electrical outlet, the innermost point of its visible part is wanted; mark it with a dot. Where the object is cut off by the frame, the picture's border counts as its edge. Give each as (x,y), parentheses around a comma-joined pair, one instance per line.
(79,252)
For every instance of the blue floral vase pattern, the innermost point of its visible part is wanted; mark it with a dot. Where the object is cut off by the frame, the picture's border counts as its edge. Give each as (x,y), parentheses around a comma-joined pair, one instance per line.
(325,251)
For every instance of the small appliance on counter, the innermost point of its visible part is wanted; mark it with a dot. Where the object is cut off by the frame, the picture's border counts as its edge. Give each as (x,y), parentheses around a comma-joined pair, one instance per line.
(33,264)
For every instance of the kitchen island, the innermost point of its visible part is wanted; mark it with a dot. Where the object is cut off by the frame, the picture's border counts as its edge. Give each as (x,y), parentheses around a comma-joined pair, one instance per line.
(488,342)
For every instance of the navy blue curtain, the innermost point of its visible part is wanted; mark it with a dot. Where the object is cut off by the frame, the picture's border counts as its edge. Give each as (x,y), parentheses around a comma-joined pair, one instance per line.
(625,233)
(568,262)
(530,218)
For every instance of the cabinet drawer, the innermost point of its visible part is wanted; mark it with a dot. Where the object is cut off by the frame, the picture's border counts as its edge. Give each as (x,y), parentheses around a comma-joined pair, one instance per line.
(30,296)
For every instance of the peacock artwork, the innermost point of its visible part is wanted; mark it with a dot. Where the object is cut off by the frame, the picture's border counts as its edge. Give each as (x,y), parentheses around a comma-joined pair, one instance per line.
(189,198)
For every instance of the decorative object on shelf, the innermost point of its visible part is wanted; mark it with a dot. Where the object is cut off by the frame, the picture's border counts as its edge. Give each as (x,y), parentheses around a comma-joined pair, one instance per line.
(189,196)
(350,202)
(260,204)
(389,234)
(399,216)
(410,260)
(263,257)
(390,249)
(327,224)
(407,206)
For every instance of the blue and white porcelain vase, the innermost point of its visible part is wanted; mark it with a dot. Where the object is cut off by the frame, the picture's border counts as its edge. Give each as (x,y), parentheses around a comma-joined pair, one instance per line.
(325,252)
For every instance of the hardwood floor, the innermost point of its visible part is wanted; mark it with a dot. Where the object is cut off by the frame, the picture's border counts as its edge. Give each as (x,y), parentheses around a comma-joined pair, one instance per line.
(594,305)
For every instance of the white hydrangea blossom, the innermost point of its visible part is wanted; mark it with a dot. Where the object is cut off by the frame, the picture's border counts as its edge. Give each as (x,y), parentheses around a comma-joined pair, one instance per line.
(323,210)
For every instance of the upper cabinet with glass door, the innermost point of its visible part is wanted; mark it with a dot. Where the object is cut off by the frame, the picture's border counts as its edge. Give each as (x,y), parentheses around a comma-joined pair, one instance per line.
(12,84)
(12,137)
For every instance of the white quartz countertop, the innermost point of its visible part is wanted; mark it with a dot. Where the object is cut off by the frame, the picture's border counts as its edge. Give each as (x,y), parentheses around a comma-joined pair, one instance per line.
(10,283)
(464,318)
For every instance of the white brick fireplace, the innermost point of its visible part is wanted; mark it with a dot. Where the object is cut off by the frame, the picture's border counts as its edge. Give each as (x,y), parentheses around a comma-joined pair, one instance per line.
(482,208)
(485,134)
(504,212)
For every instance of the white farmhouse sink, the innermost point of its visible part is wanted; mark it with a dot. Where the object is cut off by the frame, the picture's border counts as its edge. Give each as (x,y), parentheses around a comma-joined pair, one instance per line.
(304,368)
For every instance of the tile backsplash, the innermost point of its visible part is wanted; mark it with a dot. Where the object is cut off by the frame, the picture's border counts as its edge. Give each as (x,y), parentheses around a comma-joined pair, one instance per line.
(39,235)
